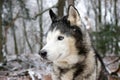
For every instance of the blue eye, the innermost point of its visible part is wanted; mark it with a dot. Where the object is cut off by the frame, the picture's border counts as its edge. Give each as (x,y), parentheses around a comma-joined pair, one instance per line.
(60,37)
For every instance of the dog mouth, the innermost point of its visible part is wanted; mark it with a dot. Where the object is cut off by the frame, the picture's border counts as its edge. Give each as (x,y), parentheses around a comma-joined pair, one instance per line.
(47,60)
(54,59)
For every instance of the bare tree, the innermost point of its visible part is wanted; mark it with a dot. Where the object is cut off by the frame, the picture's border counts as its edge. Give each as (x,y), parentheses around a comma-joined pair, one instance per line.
(115,12)
(61,4)
(24,11)
(70,2)
(26,37)
(13,27)
(117,48)
(1,35)
(40,9)
(105,5)
(100,13)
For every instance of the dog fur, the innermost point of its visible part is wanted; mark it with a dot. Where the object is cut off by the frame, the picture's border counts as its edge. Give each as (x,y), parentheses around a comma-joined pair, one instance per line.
(68,47)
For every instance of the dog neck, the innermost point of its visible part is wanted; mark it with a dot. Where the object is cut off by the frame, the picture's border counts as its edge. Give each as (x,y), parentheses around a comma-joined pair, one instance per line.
(85,69)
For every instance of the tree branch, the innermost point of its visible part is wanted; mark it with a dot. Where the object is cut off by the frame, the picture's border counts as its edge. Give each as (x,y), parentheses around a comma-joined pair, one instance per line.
(116,60)
(35,17)
(12,22)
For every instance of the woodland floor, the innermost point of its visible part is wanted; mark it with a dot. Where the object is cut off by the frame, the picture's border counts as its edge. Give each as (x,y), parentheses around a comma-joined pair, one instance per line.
(112,64)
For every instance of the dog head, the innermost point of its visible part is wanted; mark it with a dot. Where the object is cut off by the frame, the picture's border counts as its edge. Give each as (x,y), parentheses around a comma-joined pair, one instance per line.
(65,40)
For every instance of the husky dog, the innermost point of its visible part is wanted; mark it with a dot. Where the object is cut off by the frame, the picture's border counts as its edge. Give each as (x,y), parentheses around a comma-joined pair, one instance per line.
(68,47)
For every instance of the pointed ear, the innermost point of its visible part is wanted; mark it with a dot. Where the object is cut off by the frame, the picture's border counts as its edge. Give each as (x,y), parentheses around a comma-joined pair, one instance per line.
(52,15)
(73,16)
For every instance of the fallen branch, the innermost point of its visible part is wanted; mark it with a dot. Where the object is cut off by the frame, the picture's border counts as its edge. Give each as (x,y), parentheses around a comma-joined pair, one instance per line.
(116,60)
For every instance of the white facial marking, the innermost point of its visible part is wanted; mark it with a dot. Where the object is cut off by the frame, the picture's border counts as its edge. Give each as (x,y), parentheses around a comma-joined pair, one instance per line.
(60,50)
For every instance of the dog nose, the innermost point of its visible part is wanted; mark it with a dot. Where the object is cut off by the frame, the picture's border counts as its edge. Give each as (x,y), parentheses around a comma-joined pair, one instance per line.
(43,53)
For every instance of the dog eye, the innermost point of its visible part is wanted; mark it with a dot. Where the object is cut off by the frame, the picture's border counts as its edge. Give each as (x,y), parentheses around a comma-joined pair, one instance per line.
(74,30)
(60,37)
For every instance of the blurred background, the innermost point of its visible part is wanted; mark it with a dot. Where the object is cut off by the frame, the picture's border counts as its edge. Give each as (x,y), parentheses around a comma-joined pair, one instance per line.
(24,23)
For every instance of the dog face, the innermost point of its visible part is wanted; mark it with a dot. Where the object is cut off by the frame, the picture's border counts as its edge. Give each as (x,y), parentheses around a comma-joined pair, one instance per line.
(58,45)
(64,39)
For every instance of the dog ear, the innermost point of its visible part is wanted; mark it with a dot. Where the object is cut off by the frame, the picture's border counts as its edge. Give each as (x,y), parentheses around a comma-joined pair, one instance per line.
(52,15)
(73,16)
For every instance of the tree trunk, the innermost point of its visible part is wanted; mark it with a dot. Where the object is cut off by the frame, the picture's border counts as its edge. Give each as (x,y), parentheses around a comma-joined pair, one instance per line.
(105,11)
(61,4)
(13,28)
(70,2)
(116,28)
(115,12)
(26,37)
(100,13)
(40,9)
(15,41)
(1,36)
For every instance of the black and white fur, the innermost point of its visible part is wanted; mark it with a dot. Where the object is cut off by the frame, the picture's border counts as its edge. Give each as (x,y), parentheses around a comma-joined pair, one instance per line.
(70,50)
